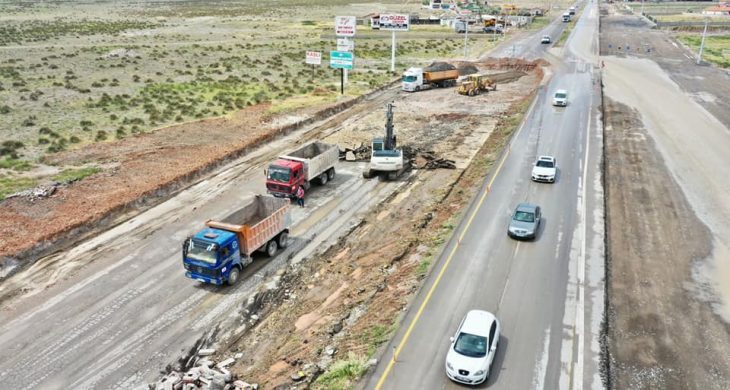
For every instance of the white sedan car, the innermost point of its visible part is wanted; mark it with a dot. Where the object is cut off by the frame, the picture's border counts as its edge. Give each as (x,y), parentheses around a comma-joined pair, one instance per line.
(473,348)
(545,169)
(560,98)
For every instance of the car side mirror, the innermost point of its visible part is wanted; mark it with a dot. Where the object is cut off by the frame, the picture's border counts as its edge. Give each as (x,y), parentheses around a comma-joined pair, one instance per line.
(185,247)
(451,339)
(266,172)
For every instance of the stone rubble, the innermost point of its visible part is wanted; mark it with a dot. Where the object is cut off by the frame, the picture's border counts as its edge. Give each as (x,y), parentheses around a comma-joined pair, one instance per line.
(206,375)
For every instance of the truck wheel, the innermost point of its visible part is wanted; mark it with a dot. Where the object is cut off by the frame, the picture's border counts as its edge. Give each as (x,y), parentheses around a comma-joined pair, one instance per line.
(283,240)
(271,248)
(233,276)
(331,173)
(323,178)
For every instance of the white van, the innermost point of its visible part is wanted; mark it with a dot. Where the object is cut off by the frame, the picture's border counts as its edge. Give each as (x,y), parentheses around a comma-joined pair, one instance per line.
(566,17)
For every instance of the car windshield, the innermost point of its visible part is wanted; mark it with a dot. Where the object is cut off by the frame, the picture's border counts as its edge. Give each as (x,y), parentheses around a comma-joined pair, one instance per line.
(560,95)
(524,216)
(545,164)
(471,345)
(409,79)
(279,174)
(202,251)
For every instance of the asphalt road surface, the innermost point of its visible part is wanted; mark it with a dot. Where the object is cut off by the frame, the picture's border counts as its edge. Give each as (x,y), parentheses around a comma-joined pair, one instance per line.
(548,294)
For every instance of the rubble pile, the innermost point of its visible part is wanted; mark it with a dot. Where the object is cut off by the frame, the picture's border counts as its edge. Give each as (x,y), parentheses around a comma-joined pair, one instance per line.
(39,192)
(205,375)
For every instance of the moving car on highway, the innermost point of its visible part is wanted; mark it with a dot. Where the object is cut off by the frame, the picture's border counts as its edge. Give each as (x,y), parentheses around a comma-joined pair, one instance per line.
(473,347)
(560,98)
(525,221)
(546,39)
(545,169)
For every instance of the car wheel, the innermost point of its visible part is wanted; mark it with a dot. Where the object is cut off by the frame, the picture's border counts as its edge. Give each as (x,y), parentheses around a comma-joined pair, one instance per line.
(233,276)
(271,248)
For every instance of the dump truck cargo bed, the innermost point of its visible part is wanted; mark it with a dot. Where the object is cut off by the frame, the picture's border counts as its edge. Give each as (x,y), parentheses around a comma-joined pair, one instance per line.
(317,158)
(441,75)
(256,223)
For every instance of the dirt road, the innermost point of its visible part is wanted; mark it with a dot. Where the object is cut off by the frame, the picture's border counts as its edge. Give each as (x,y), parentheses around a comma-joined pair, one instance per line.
(668,212)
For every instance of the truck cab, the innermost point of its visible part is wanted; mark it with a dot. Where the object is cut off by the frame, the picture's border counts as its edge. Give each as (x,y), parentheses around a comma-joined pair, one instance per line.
(412,79)
(212,256)
(283,176)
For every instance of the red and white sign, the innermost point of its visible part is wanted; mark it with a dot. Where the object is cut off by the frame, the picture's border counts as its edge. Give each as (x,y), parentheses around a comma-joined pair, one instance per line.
(345,26)
(314,57)
(394,22)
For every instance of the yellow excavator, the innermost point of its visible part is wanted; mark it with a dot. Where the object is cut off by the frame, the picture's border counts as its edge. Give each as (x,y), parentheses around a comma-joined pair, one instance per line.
(475,84)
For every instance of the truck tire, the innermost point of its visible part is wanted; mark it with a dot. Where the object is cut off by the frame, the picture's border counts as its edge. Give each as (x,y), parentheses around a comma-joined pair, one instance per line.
(323,178)
(331,173)
(233,276)
(283,240)
(271,248)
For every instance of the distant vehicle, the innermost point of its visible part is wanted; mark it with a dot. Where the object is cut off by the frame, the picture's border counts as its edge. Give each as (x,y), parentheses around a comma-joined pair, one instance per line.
(416,79)
(566,17)
(314,161)
(571,10)
(560,98)
(218,253)
(475,84)
(525,221)
(546,39)
(545,169)
(494,29)
(473,348)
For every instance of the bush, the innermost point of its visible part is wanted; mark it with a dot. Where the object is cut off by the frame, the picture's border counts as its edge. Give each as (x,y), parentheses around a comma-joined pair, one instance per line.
(4,109)
(100,135)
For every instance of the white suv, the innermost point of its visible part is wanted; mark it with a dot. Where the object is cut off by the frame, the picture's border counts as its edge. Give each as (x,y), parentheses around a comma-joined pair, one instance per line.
(545,169)
(473,348)
(560,98)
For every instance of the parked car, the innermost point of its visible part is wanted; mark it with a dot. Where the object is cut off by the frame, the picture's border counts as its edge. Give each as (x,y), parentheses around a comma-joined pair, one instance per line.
(545,169)
(494,29)
(546,39)
(560,98)
(473,348)
(525,221)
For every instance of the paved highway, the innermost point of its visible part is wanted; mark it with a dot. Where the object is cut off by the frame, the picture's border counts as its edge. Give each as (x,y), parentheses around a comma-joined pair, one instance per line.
(548,293)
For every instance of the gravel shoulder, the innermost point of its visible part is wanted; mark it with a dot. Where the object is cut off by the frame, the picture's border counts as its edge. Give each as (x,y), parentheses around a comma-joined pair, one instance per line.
(667,213)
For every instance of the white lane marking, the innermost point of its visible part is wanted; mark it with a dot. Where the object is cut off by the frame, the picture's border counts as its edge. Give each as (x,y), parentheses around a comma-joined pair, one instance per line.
(506,283)
(674,44)
(538,380)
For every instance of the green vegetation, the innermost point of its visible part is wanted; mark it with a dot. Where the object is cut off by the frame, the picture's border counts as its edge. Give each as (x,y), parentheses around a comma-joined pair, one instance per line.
(15,164)
(342,374)
(716,50)
(42,30)
(11,185)
(71,175)
(566,32)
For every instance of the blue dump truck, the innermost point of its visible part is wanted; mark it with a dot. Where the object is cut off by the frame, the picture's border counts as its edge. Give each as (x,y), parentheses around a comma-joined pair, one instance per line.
(218,253)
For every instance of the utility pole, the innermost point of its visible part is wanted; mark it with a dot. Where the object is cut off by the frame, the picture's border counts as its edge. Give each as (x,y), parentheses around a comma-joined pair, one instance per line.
(392,52)
(466,36)
(702,44)
(642,7)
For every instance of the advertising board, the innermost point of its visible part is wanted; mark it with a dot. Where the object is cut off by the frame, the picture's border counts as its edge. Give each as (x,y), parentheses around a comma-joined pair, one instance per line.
(394,22)
(345,26)
(313,57)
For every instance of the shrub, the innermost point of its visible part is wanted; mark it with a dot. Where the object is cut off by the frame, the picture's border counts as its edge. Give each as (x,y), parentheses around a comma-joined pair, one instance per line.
(100,135)
(5,109)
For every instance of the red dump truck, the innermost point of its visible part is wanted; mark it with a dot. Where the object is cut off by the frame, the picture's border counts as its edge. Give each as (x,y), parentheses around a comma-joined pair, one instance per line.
(312,162)
(218,253)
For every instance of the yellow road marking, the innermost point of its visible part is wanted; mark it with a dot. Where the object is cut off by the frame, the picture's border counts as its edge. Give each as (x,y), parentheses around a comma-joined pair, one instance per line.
(444,267)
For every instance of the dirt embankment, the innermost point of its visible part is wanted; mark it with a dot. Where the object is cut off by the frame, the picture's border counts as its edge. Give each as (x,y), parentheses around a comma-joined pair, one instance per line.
(660,335)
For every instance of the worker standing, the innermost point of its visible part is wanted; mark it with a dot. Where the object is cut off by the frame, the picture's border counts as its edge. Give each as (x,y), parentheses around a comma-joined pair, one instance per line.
(300,196)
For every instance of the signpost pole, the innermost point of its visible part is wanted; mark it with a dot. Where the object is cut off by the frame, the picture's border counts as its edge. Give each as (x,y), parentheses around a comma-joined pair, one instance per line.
(392,52)
(342,81)
(466,36)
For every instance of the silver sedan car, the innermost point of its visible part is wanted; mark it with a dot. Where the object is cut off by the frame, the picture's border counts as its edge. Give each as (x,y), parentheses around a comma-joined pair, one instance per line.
(525,221)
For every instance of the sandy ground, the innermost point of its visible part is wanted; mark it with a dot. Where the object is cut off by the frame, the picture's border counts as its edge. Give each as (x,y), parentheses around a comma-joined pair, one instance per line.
(668,215)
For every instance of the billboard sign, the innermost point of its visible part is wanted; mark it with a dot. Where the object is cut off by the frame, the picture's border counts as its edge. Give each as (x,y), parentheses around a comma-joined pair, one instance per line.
(314,57)
(341,60)
(394,22)
(344,44)
(345,26)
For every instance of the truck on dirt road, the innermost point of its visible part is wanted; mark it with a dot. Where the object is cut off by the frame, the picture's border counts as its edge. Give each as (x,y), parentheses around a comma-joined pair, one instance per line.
(475,84)
(218,253)
(312,162)
(416,79)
